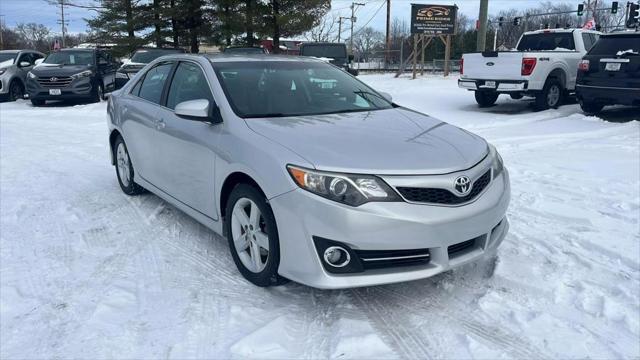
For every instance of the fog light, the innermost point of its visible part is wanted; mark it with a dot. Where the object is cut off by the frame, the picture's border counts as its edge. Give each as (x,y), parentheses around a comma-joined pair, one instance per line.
(337,256)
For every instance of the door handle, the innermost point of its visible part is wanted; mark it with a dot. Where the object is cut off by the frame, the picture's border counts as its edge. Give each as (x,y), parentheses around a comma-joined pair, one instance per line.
(160,125)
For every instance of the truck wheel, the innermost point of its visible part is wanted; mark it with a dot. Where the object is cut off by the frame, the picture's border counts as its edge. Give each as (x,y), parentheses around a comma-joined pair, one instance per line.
(550,96)
(590,108)
(486,98)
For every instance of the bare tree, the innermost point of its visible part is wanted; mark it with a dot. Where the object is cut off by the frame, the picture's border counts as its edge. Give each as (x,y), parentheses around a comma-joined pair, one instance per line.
(366,41)
(34,35)
(326,30)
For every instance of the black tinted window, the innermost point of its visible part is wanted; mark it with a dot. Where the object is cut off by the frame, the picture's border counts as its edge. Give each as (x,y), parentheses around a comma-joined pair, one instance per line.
(328,51)
(145,56)
(588,41)
(547,42)
(189,83)
(153,83)
(611,45)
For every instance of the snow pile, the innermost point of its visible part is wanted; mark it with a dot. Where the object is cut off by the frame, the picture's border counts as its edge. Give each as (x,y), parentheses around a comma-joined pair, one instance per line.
(87,272)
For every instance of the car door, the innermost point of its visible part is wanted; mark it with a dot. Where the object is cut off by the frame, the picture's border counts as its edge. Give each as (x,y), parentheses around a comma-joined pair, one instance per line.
(107,70)
(139,121)
(23,70)
(188,147)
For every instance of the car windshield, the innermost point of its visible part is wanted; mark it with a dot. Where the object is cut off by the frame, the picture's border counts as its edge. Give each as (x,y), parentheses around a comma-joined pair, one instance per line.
(8,56)
(547,42)
(286,88)
(327,51)
(70,58)
(617,45)
(148,55)
(245,50)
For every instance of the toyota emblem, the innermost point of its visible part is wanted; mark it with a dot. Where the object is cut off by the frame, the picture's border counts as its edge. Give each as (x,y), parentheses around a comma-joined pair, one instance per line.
(462,184)
(53,79)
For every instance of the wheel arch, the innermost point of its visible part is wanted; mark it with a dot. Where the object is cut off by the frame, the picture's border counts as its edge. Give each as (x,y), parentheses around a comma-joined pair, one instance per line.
(559,74)
(112,140)
(229,183)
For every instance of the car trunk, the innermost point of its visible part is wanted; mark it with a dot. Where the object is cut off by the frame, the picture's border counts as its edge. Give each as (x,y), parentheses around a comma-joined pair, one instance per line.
(613,62)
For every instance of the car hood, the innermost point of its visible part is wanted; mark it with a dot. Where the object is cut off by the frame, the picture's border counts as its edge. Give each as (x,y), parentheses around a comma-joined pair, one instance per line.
(59,70)
(386,142)
(6,64)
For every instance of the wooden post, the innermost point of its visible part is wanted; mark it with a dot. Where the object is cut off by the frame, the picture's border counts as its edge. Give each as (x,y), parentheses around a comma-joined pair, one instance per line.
(415,53)
(422,57)
(447,56)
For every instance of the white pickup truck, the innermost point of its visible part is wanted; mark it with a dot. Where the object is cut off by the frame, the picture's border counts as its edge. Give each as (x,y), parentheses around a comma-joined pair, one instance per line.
(544,65)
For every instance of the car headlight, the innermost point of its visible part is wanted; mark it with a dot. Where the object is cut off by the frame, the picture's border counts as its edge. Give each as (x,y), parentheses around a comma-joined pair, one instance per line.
(349,189)
(31,75)
(121,75)
(497,166)
(79,75)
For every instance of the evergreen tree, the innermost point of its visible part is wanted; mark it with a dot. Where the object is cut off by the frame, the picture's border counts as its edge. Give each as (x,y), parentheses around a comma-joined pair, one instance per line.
(110,26)
(286,18)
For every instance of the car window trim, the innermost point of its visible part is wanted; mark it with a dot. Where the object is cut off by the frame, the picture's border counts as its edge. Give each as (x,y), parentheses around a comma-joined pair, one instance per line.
(144,76)
(173,72)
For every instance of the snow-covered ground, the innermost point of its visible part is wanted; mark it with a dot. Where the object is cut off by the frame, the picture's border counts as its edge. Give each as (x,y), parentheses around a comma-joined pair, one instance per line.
(87,272)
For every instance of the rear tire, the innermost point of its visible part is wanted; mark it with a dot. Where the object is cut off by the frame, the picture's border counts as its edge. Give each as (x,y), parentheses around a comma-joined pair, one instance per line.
(550,97)
(37,102)
(486,98)
(590,108)
(124,169)
(251,230)
(16,90)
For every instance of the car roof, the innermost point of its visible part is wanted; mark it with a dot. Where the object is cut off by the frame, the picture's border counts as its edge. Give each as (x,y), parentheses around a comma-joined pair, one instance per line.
(78,49)
(11,51)
(622,33)
(258,58)
(322,44)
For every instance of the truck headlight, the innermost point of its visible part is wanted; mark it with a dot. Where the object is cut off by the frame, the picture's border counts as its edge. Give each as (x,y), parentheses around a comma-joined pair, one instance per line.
(349,189)
(31,75)
(82,74)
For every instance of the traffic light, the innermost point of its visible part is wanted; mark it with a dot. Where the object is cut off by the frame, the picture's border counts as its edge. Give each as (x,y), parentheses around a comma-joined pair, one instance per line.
(517,21)
(634,15)
(614,7)
(500,21)
(580,9)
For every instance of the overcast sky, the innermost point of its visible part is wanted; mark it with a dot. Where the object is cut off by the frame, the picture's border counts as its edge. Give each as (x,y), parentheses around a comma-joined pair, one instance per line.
(39,11)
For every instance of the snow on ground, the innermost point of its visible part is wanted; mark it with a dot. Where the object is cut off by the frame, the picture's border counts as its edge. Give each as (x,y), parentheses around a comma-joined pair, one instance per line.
(87,272)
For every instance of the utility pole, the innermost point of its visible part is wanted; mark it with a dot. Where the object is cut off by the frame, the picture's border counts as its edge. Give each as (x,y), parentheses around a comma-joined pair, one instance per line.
(62,22)
(340,26)
(353,20)
(388,42)
(1,29)
(482,30)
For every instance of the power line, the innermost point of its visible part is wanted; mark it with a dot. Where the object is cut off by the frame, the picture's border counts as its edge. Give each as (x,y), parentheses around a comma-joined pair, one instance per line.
(374,15)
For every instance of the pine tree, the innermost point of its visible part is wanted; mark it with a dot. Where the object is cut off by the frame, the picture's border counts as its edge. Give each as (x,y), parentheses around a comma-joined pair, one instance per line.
(286,18)
(110,26)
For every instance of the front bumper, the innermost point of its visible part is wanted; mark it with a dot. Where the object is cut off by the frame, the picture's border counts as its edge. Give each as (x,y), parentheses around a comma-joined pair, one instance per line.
(500,85)
(301,216)
(78,89)
(608,95)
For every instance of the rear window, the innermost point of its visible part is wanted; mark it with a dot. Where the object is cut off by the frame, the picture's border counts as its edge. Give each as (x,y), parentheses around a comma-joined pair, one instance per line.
(612,45)
(547,42)
(328,51)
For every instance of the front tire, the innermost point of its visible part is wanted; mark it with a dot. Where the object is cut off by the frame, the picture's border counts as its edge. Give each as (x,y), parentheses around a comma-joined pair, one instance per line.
(124,169)
(251,230)
(16,90)
(486,98)
(550,97)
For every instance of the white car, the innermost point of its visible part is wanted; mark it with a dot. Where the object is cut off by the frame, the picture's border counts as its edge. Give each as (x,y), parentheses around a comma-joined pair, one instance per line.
(544,65)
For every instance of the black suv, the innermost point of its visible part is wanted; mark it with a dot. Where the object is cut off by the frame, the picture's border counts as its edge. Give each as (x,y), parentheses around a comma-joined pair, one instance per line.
(72,74)
(138,60)
(610,72)
(335,52)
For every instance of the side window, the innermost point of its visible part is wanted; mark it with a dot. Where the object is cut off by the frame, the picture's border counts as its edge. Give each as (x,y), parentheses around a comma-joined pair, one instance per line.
(594,38)
(25,57)
(153,82)
(102,58)
(588,41)
(136,89)
(37,56)
(189,83)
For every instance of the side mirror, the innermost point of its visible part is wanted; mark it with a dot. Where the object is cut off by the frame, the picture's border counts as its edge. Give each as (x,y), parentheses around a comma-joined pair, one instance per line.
(39,61)
(351,58)
(125,61)
(24,64)
(199,110)
(386,95)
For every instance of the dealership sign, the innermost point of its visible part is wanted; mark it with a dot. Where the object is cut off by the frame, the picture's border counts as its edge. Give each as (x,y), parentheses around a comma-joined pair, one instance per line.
(433,19)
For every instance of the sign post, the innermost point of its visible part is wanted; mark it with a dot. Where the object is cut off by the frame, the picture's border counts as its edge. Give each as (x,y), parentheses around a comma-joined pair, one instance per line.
(427,22)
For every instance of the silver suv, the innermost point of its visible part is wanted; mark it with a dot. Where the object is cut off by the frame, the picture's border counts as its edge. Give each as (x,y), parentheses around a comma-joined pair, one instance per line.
(14,66)
(310,174)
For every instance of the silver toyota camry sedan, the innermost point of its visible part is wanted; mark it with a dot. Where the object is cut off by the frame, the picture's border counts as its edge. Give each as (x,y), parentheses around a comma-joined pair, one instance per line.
(310,174)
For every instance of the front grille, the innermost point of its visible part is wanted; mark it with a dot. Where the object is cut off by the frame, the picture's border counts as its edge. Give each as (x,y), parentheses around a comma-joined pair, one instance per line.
(55,81)
(380,259)
(460,247)
(444,196)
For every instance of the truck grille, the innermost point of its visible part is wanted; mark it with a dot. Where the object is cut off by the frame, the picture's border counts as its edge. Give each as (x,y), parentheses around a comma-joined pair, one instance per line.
(55,81)
(379,259)
(444,196)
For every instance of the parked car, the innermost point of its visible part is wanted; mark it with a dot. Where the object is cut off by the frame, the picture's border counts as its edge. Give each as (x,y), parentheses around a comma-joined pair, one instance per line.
(610,73)
(72,74)
(543,67)
(245,50)
(335,53)
(14,66)
(263,151)
(138,60)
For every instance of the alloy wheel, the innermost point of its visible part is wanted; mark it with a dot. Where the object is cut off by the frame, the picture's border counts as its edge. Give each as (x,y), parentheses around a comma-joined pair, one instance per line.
(122,161)
(553,96)
(248,231)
